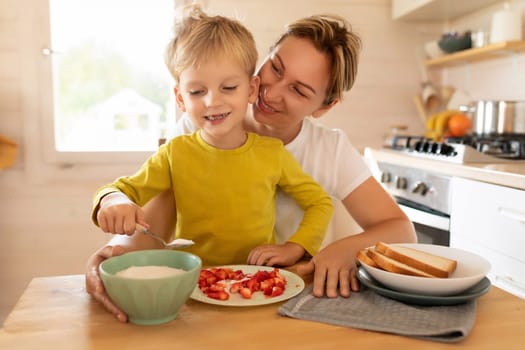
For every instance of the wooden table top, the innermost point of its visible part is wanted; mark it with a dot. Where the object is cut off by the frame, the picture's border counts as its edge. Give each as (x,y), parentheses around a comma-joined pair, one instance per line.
(56,312)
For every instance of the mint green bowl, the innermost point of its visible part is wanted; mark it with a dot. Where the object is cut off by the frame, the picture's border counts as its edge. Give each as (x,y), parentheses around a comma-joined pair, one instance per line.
(156,300)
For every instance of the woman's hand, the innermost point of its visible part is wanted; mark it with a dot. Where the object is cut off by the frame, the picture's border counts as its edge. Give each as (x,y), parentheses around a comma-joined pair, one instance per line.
(333,267)
(118,245)
(94,284)
(275,254)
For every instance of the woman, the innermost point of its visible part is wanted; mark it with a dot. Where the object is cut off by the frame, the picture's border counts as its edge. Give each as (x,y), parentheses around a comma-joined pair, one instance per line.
(306,74)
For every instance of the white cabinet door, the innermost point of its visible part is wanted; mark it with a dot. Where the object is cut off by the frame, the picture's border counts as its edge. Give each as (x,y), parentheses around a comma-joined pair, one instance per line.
(435,10)
(490,220)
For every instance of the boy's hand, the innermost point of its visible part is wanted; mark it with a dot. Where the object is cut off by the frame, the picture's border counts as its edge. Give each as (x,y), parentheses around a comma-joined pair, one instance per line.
(274,254)
(118,214)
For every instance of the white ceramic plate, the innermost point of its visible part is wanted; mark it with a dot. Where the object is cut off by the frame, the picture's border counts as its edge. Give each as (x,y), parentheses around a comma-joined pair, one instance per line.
(294,286)
(471,293)
(470,270)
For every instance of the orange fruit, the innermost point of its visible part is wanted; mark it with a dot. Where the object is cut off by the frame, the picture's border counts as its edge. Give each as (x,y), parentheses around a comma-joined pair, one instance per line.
(459,124)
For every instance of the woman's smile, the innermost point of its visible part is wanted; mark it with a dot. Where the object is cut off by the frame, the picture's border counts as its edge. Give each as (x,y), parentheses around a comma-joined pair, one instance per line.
(262,105)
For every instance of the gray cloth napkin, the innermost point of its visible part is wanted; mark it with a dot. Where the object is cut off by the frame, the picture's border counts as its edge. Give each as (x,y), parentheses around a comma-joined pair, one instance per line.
(371,311)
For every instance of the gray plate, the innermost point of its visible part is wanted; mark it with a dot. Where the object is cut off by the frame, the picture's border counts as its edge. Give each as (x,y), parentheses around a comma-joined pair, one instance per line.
(472,293)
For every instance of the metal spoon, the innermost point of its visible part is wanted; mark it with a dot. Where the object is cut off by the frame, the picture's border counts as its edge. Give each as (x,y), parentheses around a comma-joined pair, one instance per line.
(176,243)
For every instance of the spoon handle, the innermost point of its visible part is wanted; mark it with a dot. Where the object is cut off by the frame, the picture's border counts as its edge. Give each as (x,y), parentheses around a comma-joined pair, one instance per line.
(145,231)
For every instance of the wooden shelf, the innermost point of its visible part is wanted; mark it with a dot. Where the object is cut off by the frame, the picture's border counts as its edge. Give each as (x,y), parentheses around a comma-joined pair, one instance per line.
(488,52)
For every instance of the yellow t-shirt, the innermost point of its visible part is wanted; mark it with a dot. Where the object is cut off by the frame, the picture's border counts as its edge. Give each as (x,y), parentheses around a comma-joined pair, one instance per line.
(225,199)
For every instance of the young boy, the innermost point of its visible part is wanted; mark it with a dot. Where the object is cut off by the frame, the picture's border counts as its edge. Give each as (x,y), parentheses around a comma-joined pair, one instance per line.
(224,179)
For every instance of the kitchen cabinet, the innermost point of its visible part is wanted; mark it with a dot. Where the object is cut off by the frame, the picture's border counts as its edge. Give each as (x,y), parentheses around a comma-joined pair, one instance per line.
(435,10)
(492,51)
(489,220)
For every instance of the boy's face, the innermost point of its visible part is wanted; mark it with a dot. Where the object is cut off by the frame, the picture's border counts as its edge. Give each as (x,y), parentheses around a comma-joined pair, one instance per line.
(216,96)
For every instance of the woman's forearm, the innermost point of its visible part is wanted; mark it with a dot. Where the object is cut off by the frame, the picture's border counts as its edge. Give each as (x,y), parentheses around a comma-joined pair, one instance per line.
(396,230)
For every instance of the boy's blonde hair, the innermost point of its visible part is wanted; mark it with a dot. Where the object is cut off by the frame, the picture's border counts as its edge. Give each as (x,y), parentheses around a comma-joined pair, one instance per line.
(197,38)
(333,36)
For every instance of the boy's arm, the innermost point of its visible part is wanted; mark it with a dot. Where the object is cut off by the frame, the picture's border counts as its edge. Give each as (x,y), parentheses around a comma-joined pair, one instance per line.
(122,199)
(316,203)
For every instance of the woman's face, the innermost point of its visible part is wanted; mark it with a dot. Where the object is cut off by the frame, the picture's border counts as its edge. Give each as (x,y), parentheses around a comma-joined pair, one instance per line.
(293,83)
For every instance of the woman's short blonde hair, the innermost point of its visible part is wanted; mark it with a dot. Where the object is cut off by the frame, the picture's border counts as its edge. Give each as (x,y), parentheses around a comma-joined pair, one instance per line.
(197,38)
(332,35)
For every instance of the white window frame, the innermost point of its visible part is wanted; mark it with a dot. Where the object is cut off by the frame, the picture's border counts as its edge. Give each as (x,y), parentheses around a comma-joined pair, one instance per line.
(46,107)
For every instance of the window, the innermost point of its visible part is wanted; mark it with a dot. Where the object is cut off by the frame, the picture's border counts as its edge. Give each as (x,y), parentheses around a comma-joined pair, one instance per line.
(111,91)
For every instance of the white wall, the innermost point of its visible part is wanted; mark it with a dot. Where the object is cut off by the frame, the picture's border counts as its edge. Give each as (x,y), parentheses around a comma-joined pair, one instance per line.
(45,227)
(498,78)
(387,75)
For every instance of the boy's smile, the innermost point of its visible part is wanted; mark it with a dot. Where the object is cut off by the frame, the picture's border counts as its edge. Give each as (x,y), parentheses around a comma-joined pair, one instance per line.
(216,117)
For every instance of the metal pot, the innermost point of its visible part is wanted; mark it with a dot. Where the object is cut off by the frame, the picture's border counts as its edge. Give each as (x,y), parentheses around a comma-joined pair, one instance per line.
(491,117)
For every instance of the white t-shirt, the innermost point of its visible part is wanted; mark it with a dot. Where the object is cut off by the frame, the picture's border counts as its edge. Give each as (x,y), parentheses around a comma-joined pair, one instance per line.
(327,155)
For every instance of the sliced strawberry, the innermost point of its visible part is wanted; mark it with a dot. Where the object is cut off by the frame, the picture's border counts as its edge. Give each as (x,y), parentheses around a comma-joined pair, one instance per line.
(221,274)
(211,280)
(205,273)
(279,283)
(268,291)
(218,295)
(269,283)
(252,284)
(246,293)
(214,281)
(235,287)
(276,291)
(216,287)
(261,276)
(238,275)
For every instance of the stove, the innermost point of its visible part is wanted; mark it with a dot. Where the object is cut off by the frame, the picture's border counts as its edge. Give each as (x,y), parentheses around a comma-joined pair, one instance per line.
(467,149)
(425,198)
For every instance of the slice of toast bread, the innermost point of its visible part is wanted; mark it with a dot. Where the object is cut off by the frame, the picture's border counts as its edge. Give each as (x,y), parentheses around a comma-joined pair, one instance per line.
(363,257)
(391,265)
(437,266)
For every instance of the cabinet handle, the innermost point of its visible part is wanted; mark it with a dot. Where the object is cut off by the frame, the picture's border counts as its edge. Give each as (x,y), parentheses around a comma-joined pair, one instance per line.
(512,214)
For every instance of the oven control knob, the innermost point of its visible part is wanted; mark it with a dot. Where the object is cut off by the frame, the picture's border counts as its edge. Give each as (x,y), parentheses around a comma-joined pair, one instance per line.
(401,183)
(385,177)
(420,188)
(447,150)
(427,146)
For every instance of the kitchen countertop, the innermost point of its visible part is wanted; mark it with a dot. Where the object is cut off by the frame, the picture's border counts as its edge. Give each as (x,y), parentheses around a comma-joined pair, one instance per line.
(510,174)
(56,312)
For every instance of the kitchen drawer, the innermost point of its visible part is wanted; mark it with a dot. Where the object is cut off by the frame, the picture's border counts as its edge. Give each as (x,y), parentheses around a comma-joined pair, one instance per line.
(489,220)
(490,215)
(506,273)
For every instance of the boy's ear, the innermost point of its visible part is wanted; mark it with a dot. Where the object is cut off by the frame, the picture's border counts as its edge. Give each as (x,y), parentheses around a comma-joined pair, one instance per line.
(254,89)
(325,108)
(179,100)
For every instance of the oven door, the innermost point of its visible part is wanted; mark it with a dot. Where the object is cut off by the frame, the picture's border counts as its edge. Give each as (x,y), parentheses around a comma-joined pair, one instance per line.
(432,227)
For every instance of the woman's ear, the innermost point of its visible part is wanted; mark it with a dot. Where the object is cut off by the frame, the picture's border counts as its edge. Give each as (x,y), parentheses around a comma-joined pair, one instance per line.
(324,108)
(254,89)
(179,100)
